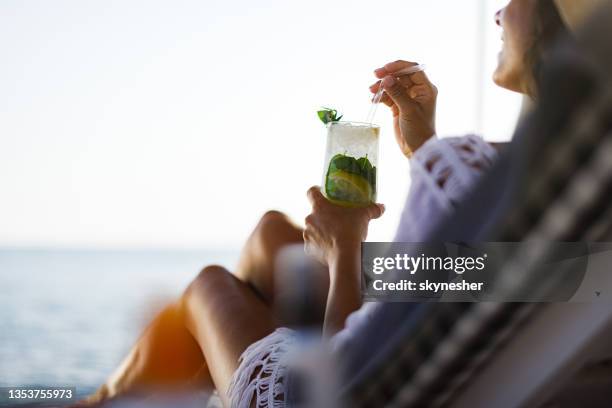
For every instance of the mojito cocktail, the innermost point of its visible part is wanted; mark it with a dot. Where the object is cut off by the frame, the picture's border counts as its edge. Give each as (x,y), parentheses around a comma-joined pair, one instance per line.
(351,161)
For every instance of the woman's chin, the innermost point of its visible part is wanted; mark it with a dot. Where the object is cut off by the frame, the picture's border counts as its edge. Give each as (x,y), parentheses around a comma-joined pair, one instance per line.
(507,81)
(498,77)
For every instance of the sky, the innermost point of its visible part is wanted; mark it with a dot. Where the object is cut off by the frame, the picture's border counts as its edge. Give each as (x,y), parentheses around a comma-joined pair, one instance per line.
(177,124)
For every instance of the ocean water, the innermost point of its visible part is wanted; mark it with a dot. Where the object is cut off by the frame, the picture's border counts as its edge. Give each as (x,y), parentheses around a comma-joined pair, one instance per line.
(67,318)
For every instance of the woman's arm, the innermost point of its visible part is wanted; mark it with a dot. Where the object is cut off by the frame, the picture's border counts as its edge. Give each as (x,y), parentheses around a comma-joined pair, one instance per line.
(333,235)
(344,295)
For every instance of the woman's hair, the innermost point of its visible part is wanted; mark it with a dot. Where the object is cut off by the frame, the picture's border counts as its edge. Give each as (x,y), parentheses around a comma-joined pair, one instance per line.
(547,27)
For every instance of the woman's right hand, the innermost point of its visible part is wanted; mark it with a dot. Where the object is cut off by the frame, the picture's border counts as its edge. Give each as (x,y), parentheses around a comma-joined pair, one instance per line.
(412,99)
(332,231)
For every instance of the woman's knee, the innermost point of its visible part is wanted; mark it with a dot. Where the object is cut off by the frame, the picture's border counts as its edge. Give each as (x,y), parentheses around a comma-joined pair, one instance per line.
(213,288)
(216,289)
(275,227)
(273,215)
(208,278)
(256,267)
(273,219)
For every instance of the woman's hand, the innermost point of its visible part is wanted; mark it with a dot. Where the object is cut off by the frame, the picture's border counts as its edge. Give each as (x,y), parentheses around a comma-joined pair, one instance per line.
(333,231)
(412,99)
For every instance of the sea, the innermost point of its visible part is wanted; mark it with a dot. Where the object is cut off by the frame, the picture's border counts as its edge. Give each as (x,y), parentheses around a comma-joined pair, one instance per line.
(68,317)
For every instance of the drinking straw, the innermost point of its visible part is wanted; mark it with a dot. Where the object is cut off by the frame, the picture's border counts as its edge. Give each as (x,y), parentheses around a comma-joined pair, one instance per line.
(376,100)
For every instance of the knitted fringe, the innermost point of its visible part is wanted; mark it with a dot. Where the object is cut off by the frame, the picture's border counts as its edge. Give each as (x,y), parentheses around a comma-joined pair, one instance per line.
(261,372)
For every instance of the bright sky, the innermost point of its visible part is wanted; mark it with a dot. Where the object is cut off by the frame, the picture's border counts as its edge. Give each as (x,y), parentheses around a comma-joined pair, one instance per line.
(129,123)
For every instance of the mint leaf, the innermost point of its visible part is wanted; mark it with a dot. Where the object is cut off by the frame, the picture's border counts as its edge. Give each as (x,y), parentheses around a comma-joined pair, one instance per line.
(328,115)
(367,171)
(365,165)
(344,163)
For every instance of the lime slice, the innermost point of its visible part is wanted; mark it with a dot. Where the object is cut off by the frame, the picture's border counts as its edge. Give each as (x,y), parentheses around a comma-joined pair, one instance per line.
(348,187)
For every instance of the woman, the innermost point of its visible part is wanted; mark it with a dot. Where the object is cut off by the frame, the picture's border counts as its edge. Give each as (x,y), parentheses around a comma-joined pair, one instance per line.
(222,334)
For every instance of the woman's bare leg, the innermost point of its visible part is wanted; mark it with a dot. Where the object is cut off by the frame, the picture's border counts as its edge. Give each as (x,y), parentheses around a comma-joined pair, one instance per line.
(218,317)
(149,363)
(165,357)
(225,317)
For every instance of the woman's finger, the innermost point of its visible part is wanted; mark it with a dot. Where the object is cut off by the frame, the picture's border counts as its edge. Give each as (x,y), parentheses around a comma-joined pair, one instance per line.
(311,234)
(314,196)
(380,73)
(420,78)
(398,94)
(421,93)
(374,87)
(376,211)
(387,101)
(308,221)
(393,67)
(398,65)
(384,98)
(372,211)
(406,81)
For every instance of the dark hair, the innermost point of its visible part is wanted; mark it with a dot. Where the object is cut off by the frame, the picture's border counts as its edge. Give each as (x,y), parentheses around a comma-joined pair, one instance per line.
(548,26)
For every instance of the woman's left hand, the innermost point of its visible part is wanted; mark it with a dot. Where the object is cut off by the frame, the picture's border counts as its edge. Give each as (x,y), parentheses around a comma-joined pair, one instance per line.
(333,231)
(412,99)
